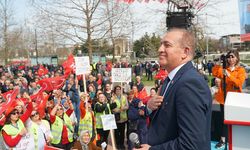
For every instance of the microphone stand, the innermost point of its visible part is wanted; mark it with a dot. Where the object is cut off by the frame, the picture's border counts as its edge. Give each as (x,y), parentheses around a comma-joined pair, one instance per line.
(224,93)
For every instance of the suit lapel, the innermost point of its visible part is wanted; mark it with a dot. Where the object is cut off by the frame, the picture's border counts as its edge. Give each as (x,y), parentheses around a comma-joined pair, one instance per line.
(177,76)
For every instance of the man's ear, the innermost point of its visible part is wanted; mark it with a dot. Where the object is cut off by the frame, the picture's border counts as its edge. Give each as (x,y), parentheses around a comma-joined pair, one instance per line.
(186,53)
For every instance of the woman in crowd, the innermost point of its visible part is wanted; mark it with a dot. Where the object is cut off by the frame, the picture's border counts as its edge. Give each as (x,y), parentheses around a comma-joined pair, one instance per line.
(91,91)
(84,142)
(14,129)
(99,81)
(61,126)
(136,119)
(108,92)
(40,129)
(121,116)
(87,118)
(235,77)
(102,107)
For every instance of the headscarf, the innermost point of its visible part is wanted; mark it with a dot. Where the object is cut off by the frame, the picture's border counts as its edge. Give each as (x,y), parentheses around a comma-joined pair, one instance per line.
(84,145)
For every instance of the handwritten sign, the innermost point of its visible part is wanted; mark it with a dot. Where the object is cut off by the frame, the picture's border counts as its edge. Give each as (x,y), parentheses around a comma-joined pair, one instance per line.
(121,75)
(108,122)
(26,143)
(82,65)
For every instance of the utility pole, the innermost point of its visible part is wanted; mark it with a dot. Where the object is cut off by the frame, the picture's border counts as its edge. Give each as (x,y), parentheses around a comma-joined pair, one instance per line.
(36,48)
(132,39)
(206,35)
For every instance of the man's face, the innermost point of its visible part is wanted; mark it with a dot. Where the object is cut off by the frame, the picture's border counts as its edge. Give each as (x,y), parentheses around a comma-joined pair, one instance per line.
(170,52)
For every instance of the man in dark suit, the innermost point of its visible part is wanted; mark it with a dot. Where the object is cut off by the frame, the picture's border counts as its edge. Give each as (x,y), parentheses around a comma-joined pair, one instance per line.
(181,116)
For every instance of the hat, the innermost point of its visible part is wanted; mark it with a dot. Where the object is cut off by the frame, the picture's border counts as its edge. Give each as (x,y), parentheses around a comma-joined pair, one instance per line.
(11,108)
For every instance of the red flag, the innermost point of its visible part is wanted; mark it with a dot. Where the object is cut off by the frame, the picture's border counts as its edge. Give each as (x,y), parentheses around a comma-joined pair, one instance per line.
(38,96)
(69,65)
(41,101)
(42,104)
(6,94)
(50,84)
(42,71)
(10,98)
(142,94)
(161,75)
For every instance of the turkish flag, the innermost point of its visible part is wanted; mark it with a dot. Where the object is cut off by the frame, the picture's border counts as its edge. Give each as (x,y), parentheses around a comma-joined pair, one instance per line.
(69,65)
(6,94)
(10,97)
(42,71)
(161,75)
(50,84)
(40,99)
(142,94)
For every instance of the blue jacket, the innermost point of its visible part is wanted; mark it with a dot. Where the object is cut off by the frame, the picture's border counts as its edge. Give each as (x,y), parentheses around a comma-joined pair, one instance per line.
(183,121)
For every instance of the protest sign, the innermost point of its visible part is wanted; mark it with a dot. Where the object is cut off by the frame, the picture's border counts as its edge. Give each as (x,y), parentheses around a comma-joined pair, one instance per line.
(108,122)
(121,75)
(82,65)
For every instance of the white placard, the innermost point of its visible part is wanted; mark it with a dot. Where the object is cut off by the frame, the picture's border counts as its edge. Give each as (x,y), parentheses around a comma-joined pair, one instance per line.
(82,65)
(121,75)
(26,143)
(108,122)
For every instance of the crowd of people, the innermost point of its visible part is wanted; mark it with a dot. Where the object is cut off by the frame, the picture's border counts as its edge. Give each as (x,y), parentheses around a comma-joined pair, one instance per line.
(45,105)
(62,114)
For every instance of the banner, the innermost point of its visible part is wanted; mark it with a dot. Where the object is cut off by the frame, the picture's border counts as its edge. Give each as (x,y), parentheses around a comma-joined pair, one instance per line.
(244,13)
(82,65)
(121,74)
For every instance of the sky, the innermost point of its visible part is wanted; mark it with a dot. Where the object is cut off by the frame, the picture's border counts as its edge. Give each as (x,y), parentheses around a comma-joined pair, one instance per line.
(219,17)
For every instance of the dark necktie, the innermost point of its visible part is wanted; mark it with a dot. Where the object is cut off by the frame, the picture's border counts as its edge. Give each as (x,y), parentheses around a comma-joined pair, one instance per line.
(164,86)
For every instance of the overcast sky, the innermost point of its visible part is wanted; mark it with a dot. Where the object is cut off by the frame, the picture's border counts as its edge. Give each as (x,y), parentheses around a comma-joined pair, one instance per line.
(222,16)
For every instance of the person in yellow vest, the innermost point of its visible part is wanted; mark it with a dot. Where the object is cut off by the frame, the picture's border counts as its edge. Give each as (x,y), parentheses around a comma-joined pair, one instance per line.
(40,129)
(87,118)
(102,107)
(14,130)
(120,115)
(61,126)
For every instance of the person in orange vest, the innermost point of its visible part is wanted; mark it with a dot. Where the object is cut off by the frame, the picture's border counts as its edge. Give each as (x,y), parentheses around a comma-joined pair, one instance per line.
(235,77)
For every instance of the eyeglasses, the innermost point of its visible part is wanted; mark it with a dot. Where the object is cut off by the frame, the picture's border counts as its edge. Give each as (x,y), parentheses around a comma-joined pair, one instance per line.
(33,115)
(230,56)
(59,109)
(15,113)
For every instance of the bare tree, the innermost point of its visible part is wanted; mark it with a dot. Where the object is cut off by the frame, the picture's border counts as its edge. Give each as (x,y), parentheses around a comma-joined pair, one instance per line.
(79,21)
(6,16)
(118,15)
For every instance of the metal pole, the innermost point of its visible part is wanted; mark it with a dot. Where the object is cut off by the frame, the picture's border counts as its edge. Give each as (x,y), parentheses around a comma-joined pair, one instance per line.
(206,35)
(36,48)
(132,39)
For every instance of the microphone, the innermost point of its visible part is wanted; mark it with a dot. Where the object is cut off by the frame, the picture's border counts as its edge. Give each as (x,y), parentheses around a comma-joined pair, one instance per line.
(104,145)
(133,137)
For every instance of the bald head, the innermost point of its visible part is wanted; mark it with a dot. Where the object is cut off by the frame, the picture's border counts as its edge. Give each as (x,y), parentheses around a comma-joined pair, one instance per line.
(187,39)
(177,47)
